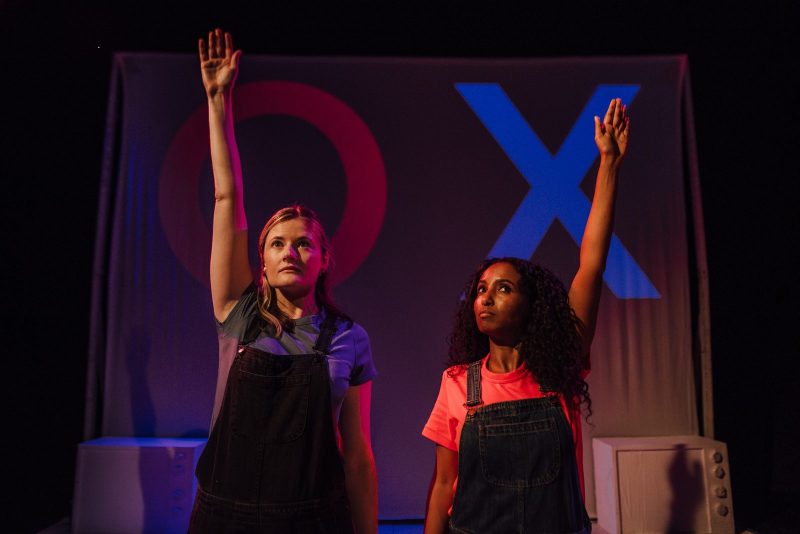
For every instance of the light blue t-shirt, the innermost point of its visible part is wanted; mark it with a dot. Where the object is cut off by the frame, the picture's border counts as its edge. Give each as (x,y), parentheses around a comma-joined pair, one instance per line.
(349,358)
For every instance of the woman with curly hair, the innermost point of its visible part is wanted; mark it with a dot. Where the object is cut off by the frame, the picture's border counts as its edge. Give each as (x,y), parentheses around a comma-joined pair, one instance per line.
(289,449)
(506,422)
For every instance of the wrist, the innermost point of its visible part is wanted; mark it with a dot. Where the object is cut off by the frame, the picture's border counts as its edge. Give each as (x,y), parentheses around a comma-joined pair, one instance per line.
(218,97)
(220,105)
(610,161)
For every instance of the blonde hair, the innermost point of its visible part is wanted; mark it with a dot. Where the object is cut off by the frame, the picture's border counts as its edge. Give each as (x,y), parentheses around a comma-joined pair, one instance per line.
(267,303)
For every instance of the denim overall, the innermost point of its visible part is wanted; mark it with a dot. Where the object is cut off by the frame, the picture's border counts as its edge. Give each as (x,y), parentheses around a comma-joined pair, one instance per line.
(272,463)
(516,467)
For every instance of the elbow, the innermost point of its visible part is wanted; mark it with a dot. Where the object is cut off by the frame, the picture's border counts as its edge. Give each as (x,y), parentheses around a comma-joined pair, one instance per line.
(590,261)
(362,462)
(222,196)
(445,482)
(445,478)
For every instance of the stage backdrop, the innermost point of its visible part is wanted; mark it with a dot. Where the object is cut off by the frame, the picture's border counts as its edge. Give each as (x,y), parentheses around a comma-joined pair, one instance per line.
(419,169)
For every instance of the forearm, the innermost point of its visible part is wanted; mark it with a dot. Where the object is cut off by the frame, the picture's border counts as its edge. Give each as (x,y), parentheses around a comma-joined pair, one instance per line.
(599,226)
(362,491)
(440,499)
(584,294)
(225,162)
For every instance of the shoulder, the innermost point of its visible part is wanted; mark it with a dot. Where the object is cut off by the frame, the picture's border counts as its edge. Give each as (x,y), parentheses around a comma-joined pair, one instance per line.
(350,340)
(452,395)
(352,328)
(454,380)
(350,349)
(350,332)
(244,305)
(241,315)
(454,372)
(459,371)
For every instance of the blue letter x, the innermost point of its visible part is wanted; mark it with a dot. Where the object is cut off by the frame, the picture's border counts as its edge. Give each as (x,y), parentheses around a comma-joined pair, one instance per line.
(554,181)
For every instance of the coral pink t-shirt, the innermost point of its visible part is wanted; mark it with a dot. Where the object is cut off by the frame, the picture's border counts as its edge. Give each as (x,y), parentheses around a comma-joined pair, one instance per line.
(447,418)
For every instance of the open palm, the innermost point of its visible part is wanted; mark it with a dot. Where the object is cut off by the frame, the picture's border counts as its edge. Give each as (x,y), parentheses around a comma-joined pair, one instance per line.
(611,135)
(218,62)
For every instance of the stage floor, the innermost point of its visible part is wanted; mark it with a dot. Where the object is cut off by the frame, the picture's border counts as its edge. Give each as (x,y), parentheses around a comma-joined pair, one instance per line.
(385,527)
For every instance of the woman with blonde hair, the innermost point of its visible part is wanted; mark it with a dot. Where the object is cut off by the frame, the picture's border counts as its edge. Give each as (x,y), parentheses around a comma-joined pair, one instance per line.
(289,449)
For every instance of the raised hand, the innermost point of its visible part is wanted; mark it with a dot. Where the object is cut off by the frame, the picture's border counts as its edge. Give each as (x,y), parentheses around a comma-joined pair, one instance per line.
(611,135)
(218,62)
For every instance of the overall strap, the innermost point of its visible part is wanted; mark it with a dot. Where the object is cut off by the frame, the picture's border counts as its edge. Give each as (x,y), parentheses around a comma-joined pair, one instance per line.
(326,333)
(474,384)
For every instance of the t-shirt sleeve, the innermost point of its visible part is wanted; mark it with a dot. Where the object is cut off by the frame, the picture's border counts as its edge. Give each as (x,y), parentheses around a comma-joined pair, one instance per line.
(441,426)
(363,365)
(242,314)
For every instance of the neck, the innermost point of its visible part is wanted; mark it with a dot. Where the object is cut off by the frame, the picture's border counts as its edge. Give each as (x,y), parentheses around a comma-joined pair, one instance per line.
(296,307)
(503,358)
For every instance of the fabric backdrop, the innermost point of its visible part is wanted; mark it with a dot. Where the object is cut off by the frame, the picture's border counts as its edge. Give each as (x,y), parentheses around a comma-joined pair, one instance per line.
(419,169)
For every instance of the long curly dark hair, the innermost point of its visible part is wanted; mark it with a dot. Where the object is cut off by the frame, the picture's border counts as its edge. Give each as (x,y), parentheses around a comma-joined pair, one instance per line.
(550,346)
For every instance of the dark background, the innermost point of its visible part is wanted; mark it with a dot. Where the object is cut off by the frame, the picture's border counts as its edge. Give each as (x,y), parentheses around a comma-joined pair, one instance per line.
(55,64)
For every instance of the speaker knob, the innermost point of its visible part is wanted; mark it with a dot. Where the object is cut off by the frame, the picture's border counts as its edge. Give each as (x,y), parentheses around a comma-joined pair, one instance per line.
(719,472)
(722,510)
(720,492)
(717,456)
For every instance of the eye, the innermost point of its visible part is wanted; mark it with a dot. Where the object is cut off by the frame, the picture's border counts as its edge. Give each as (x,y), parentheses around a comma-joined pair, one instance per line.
(481,290)
(305,243)
(505,288)
(276,243)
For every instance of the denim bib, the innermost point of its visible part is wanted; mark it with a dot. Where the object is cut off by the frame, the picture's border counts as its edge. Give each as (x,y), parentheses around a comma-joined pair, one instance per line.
(272,463)
(517,471)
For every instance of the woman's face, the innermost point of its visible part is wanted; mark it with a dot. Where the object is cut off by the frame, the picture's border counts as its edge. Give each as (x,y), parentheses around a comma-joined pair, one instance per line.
(500,306)
(293,257)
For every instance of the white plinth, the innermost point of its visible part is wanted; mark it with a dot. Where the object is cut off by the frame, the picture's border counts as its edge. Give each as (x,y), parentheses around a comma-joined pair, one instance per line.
(132,485)
(662,484)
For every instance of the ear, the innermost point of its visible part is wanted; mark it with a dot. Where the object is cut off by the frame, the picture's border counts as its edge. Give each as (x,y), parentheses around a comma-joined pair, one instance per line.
(326,261)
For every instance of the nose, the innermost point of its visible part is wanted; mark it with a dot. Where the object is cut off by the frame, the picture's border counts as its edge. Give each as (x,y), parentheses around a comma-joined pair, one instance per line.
(486,299)
(290,253)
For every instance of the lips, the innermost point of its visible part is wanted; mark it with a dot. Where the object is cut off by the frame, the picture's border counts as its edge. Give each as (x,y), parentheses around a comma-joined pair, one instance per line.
(485,314)
(290,269)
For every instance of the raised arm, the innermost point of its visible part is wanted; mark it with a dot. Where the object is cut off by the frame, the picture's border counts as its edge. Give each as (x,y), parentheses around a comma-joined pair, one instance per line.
(230,269)
(611,137)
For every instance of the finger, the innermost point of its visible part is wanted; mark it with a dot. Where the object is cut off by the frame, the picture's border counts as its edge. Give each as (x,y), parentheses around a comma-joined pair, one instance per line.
(235,59)
(219,43)
(598,128)
(618,112)
(201,50)
(608,119)
(211,50)
(228,45)
(624,120)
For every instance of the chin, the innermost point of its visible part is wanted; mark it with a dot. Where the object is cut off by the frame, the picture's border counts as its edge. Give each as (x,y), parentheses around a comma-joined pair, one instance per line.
(487,331)
(294,286)
(284,279)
